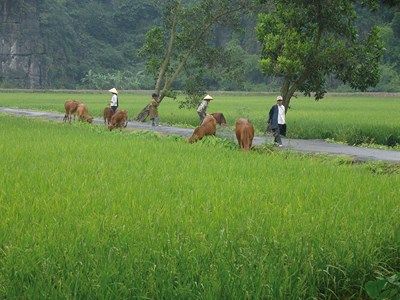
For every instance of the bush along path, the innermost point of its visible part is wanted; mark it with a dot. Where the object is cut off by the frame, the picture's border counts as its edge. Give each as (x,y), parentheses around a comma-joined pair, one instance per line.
(306,146)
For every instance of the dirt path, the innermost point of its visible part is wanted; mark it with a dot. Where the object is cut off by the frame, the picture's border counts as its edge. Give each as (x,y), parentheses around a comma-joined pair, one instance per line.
(308,146)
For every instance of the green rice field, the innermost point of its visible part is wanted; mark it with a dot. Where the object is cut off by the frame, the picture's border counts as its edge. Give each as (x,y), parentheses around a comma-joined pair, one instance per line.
(352,119)
(88,213)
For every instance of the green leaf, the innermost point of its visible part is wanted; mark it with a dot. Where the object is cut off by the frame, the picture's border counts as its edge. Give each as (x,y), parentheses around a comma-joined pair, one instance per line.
(374,288)
(397,235)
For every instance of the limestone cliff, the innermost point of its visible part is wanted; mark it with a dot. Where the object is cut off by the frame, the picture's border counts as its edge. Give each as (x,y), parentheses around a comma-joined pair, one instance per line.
(21,46)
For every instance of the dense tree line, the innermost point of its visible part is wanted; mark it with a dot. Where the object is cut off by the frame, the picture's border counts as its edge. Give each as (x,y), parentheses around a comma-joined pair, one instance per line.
(99,43)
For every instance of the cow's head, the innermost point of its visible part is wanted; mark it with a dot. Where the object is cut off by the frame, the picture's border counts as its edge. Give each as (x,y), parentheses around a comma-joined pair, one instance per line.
(89,119)
(195,136)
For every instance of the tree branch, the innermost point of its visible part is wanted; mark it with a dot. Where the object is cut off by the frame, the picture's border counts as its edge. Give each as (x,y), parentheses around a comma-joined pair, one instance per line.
(168,54)
(178,70)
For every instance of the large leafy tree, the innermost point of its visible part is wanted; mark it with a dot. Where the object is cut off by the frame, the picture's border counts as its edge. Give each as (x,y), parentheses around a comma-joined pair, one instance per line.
(181,43)
(304,41)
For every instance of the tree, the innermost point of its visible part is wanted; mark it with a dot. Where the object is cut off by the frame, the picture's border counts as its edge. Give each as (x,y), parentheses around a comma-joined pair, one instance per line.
(181,43)
(304,41)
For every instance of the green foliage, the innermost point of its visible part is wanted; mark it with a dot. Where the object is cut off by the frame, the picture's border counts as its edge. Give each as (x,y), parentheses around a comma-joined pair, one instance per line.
(387,287)
(362,67)
(93,35)
(109,38)
(181,49)
(305,43)
(390,79)
(153,50)
(119,79)
(217,142)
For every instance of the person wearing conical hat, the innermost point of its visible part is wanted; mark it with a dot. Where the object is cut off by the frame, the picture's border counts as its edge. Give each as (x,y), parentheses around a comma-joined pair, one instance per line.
(114,99)
(202,108)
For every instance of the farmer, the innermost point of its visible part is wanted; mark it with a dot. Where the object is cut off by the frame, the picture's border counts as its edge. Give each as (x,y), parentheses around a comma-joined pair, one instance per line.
(153,111)
(202,108)
(276,121)
(114,99)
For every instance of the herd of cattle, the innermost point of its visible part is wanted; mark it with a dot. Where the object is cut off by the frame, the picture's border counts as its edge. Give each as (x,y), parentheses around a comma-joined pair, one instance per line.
(243,128)
(75,108)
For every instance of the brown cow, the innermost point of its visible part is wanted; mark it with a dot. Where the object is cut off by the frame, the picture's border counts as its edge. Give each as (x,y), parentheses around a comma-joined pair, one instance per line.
(207,127)
(70,109)
(244,133)
(119,119)
(83,114)
(219,117)
(107,114)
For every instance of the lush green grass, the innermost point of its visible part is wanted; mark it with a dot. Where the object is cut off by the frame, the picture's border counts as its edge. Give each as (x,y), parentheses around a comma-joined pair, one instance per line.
(351,119)
(87,213)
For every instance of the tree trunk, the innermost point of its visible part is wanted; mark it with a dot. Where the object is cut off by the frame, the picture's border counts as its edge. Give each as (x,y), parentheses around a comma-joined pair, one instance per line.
(167,60)
(287,91)
(285,94)
(144,113)
(168,54)
(141,117)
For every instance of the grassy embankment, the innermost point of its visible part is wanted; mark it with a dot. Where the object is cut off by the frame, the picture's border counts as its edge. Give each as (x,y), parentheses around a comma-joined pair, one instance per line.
(91,213)
(350,119)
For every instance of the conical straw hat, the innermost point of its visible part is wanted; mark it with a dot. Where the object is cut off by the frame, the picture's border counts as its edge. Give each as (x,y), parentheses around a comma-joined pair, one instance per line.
(113,90)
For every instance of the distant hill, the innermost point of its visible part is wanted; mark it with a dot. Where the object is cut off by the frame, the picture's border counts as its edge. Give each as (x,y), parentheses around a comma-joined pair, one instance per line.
(94,44)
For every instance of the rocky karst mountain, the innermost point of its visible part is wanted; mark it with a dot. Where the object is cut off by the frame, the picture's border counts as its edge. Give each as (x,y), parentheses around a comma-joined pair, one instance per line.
(22,52)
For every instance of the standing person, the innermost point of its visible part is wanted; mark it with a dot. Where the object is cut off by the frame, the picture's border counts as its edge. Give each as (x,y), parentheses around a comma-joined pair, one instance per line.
(114,99)
(153,111)
(202,108)
(276,120)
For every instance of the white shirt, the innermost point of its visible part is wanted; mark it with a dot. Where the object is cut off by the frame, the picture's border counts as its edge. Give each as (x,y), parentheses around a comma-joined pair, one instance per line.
(114,101)
(281,114)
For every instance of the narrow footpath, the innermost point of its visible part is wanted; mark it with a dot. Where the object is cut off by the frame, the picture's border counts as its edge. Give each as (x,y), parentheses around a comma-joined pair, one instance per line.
(307,146)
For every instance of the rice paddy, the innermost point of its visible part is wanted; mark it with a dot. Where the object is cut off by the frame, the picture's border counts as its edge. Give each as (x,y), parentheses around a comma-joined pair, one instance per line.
(88,213)
(352,119)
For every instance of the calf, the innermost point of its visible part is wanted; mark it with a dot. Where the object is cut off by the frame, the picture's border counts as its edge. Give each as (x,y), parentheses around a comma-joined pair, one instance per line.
(207,127)
(244,133)
(219,117)
(119,119)
(70,109)
(107,115)
(83,114)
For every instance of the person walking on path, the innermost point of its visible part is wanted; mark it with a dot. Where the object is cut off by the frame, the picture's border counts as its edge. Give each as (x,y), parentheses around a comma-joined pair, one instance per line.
(114,99)
(276,121)
(153,110)
(202,108)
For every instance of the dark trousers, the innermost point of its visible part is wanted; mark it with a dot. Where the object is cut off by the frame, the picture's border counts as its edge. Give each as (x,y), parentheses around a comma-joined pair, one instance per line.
(154,121)
(282,129)
(277,136)
(114,108)
(202,115)
(277,132)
